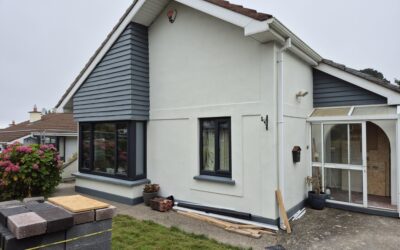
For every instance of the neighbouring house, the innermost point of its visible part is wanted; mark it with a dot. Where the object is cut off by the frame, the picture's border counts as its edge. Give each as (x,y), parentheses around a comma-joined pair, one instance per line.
(58,129)
(209,99)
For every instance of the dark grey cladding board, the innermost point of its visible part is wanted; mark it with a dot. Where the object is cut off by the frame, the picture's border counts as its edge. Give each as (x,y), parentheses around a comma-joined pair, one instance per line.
(118,87)
(330,91)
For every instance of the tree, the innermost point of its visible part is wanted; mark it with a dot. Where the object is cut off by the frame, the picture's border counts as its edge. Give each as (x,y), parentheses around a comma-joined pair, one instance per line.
(397,81)
(374,73)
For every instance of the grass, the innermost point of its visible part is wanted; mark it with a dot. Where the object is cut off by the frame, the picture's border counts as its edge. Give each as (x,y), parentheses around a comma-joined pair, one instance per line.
(129,233)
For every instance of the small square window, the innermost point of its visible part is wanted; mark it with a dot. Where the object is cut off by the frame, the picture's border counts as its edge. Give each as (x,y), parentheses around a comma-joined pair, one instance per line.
(215,146)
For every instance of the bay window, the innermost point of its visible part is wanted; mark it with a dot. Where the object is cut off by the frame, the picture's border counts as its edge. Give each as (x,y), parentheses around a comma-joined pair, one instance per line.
(114,149)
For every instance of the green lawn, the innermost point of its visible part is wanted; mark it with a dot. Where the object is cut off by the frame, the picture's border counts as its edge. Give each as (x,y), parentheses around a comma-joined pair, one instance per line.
(129,233)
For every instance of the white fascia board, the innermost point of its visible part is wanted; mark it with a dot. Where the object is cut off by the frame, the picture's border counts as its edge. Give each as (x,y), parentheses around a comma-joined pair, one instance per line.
(56,134)
(352,118)
(101,53)
(218,12)
(393,97)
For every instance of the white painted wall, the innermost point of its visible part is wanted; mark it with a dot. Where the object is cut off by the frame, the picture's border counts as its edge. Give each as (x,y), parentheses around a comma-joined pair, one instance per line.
(71,146)
(200,67)
(297,77)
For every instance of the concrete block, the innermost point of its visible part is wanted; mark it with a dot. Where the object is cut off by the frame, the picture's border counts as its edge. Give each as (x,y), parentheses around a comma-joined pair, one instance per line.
(12,243)
(57,219)
(5,212)
(106,213)
(26,225)
(100,241)
(34,207)
(38,199)
(82,217)
(10,203)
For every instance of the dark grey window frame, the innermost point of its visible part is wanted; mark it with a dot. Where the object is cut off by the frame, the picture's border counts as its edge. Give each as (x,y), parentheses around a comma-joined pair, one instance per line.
(131,125)
(217,171)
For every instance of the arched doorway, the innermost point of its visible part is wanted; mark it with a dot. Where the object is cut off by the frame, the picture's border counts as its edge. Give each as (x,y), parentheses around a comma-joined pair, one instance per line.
(378,167)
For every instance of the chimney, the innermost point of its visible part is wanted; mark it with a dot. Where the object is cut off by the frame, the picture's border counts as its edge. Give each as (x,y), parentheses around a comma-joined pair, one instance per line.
(12,123)
(34,115)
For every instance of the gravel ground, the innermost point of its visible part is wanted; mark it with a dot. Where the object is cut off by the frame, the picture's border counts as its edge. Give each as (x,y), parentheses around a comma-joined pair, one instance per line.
(327,229)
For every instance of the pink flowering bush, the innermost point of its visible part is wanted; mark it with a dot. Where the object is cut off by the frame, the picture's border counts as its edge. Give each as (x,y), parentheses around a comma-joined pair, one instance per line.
(26,171)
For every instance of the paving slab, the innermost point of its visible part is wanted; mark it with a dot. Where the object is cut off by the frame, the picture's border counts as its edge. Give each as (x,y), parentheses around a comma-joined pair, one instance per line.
(12,243)
(10,203)
(34,206)
(57,219)
(5,212)
(106,213)
(26,225)
(100,241)
(30,199)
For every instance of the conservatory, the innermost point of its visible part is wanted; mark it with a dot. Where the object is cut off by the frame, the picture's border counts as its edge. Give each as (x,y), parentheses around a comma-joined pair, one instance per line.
(354,154)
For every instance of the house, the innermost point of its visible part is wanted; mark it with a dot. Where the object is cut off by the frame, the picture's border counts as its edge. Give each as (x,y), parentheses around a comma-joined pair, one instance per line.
(58,129)
(209,99)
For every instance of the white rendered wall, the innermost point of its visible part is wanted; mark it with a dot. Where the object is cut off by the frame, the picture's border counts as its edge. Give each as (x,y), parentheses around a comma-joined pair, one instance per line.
(297,77)
(200,67)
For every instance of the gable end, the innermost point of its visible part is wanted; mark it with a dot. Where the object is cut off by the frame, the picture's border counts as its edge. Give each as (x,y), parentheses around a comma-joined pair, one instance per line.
(330,91)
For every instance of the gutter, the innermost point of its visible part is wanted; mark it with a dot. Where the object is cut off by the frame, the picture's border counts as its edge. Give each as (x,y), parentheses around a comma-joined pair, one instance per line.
(280,100)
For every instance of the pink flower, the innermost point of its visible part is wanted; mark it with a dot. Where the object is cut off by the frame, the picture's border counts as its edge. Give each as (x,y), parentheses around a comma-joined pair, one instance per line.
(44,147)
(15,168)
(35,166)
(57,158)
(40,152)
(24,149)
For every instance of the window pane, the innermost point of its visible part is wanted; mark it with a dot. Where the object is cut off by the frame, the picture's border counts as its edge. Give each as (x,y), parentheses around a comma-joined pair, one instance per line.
(224,146)
(356,183)
(208,137)
(122,133)
(85,133)
(140,137)
(337,183)
(104,148)
(317,173)
(316,142)
(336,150)
(355,144)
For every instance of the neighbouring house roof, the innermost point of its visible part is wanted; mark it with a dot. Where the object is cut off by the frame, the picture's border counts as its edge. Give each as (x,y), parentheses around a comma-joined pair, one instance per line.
(55,123)
(360,74)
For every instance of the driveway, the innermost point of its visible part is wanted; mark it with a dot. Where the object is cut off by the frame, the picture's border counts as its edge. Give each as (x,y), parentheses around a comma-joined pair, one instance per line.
(326,229)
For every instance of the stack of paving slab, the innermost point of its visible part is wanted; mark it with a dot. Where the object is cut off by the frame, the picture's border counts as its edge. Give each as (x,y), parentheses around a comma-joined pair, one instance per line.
(55,224)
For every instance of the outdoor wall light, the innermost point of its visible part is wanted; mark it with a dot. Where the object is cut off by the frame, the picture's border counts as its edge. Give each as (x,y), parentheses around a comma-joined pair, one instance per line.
(171,14)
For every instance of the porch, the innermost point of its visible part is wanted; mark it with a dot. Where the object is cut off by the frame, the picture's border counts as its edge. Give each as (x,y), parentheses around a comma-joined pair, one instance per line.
(354,154)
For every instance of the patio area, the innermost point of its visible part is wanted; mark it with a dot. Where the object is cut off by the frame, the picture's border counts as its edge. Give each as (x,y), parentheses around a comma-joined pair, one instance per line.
(326,229)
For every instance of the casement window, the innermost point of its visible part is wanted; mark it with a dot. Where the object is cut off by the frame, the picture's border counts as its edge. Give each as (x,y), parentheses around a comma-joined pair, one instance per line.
(215,146)
(114,149)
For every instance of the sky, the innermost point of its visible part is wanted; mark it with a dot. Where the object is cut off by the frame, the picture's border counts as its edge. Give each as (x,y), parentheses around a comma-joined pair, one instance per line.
(45,43)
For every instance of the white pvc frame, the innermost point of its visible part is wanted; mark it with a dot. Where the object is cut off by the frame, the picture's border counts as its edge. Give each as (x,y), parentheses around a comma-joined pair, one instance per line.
(362,167)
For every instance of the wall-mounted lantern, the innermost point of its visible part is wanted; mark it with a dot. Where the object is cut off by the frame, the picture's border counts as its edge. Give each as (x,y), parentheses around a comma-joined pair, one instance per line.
(171,14)
(296,154)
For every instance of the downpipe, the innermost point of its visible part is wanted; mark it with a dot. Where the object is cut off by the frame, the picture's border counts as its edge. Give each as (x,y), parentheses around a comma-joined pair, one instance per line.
(281,166)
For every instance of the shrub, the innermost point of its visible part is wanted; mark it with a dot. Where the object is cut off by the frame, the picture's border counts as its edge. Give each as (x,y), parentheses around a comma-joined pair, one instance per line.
(27,171)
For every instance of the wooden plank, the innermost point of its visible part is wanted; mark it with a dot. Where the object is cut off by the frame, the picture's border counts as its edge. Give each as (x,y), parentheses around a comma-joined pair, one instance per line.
(244,232)
(77,203)
(282,211)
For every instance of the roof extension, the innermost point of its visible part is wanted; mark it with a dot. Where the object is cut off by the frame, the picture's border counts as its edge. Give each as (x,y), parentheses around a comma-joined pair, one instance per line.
(50,123)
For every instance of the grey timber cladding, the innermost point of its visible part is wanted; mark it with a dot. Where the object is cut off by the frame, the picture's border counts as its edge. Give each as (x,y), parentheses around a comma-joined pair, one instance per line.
(330,91)
(118,87)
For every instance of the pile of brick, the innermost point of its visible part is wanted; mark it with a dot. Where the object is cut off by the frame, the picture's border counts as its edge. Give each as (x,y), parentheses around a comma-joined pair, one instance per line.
(38,224)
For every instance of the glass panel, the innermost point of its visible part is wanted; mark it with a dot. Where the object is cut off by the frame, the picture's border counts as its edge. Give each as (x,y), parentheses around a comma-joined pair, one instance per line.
(336,150)
(85,133)
(355,144)
(104,148)
(356,184)
(61,149)
(317,172)
(140,136)
(331,112)
(122,133)
(224,146)
(370,110)
(337,184)
(208,137)
(316,142)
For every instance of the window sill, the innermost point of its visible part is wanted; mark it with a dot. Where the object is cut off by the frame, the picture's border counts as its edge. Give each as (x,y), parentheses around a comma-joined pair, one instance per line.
(111,180)
(217,179)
